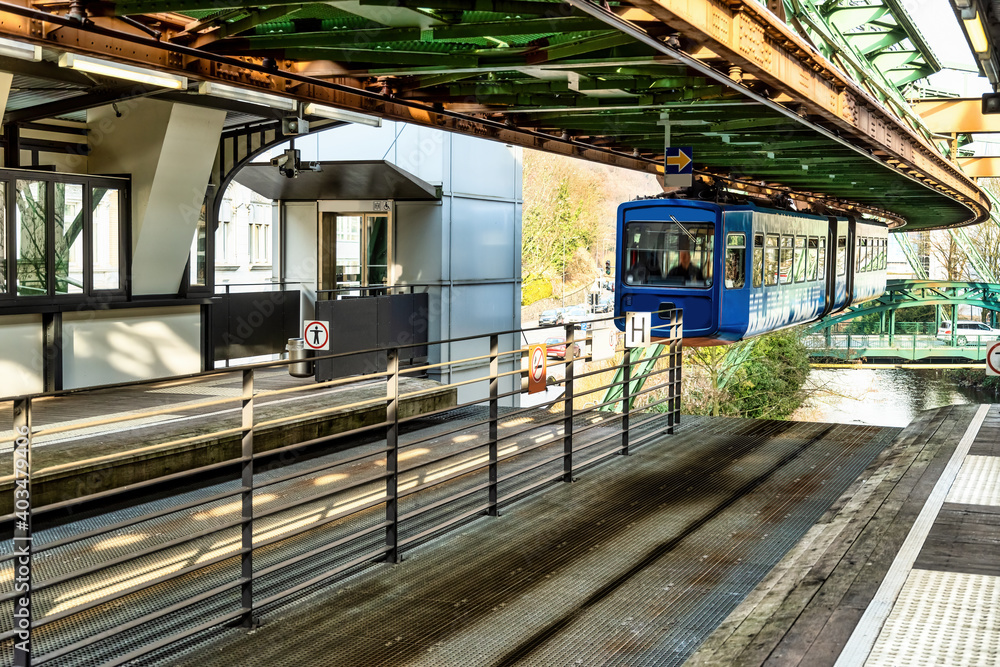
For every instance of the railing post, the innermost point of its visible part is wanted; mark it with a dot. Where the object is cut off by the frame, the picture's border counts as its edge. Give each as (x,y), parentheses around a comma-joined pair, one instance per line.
(568,358)
(392,457)
(22,533)
(626,398)
(494,509)
(676,366)
(246,540)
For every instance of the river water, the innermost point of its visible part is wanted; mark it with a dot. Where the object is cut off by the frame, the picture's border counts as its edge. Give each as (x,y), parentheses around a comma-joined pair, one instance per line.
(882,397)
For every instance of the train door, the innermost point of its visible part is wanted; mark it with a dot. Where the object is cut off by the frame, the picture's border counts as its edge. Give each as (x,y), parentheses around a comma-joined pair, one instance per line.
(737,271)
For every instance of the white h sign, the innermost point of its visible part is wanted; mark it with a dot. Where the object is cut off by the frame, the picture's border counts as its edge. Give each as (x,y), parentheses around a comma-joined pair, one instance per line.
(637,329)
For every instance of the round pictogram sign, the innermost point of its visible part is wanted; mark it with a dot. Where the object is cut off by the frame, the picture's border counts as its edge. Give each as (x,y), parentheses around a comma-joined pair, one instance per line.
(537,363)
(993,359)
(317,335)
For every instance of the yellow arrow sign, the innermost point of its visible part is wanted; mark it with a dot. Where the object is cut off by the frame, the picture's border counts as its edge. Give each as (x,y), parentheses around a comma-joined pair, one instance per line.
(681,161)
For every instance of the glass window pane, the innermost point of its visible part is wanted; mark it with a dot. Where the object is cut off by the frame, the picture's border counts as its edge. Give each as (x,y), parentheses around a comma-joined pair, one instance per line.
(106,228)
(821,260)
(811,258)
(377,254)
(32,238)
(198,264)
(758,260)
(669,253)
(771,260)
(68,216)
(348,250)
(841,255)
(800,259)
(786,259)
(735,261)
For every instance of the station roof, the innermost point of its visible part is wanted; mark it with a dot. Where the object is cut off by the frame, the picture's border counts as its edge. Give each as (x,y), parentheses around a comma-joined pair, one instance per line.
(356,179)
(761,108)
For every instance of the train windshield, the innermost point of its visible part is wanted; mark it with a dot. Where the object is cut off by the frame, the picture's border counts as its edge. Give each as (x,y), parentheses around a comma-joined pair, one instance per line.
(673,253)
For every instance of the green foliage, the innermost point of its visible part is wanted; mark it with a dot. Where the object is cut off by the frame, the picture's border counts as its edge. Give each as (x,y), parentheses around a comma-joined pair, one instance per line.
(535,288)
(765,381)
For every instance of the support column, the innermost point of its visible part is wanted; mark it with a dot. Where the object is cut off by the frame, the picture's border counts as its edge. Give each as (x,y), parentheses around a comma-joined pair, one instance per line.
(892,326)
(954,325)
(168,149)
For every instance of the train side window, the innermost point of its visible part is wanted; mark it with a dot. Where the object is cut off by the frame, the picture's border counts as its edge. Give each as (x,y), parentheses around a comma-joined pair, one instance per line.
(758,259)
(800,259)
(771,260)
(841,255)
(787,257)
(736,260)
(866,246)
(811,258)
(821,260)
(885,253)
(861,263)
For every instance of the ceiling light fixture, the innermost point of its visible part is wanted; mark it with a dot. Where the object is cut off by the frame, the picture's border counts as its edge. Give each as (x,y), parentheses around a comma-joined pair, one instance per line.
(119,71)
(977,34)
(247,95)
(20,50)
(332,113)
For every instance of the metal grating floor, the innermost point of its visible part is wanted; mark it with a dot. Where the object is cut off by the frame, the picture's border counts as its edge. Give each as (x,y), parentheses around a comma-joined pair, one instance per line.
(634,564)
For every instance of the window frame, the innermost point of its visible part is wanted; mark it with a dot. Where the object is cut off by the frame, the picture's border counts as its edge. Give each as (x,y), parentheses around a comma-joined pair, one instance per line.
(8,181)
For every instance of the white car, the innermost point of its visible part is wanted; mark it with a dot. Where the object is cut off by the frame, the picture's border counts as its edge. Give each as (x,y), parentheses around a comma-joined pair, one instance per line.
(968,333)
(576,314)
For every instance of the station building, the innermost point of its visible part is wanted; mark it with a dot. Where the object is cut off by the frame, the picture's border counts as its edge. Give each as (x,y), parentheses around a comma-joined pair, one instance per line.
(125,256)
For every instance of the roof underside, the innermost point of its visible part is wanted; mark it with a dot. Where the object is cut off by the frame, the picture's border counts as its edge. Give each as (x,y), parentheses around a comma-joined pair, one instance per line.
(548,67)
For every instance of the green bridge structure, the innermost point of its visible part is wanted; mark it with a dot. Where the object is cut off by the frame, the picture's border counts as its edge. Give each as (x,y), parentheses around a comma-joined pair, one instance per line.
(831,338)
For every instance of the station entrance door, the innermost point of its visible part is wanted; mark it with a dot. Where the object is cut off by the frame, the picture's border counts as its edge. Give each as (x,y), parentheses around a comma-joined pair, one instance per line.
(355,251)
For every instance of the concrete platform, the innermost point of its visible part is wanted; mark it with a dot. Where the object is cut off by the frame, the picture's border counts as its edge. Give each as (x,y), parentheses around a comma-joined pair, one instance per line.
(90,459)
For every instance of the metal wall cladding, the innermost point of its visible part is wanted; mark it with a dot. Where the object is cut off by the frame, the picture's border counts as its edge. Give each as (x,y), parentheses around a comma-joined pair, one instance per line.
(375,324)
(249,324)
(482,239)
(483,168)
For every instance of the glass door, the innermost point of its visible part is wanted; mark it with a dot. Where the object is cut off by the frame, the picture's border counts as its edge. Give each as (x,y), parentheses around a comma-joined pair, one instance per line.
(353,251)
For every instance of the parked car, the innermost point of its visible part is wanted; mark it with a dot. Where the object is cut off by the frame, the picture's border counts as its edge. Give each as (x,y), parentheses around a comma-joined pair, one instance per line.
(556,347)
(968,332)
(550,318)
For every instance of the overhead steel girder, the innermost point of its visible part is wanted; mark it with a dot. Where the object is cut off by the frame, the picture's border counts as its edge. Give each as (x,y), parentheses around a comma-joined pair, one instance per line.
(962,116)
(871,42)
(754,39)
(849,18)
(104,39)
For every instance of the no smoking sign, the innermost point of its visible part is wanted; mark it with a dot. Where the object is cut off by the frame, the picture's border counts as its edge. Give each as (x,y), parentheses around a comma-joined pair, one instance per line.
(316,334)
(536,368)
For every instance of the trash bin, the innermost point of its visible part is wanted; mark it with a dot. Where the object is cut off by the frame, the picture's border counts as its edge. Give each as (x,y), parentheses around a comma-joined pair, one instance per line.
(297,352)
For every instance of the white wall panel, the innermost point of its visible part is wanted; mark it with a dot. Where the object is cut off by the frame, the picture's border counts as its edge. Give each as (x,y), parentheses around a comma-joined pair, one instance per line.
(482,239)
(483,168)
(20,355)
(104,347)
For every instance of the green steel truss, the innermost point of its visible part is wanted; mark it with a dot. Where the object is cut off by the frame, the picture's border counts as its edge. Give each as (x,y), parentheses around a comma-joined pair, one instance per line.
(875,41)
(910,293)
(641,360)
(912,256)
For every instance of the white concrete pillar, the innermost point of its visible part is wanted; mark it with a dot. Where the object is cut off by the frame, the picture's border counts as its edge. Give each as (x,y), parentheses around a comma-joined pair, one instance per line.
(169,150)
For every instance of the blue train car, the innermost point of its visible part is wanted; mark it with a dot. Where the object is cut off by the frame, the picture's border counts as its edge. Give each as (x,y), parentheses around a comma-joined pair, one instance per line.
(739,270)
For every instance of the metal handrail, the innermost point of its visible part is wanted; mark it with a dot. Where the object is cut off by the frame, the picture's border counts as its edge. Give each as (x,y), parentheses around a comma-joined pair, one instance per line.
(437,489)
